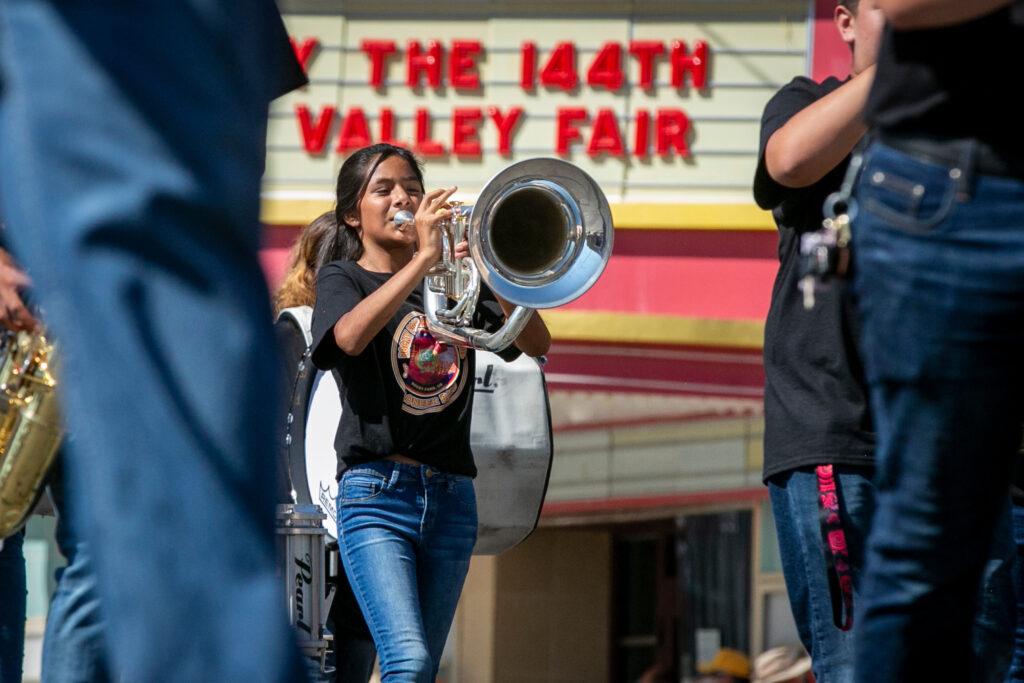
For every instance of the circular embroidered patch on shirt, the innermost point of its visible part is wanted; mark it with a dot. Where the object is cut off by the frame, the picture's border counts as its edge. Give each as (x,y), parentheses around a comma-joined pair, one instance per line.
(429,372)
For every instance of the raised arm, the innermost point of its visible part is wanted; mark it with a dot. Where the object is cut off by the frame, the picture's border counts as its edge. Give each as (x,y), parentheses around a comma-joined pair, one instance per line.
(819,137)
(357,328)
(908,15)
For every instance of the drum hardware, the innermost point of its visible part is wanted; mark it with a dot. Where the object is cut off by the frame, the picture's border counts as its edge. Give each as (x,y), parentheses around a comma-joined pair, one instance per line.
(540,234)
(306,566)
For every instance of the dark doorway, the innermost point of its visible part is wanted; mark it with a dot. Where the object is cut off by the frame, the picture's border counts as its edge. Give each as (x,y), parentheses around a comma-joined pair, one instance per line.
(680,587)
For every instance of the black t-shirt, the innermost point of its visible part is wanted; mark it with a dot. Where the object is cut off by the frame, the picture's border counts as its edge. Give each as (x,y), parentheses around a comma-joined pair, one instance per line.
(405,393)
(952,82)
(816,408)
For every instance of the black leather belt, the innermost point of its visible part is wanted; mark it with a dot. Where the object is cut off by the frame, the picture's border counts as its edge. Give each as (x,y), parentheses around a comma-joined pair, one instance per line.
(983,158)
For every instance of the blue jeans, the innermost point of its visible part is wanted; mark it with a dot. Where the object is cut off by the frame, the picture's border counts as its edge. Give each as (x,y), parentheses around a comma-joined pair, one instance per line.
(794,498)
(74,643)
(407,533)
(939,256)
(130,174)
(12,608)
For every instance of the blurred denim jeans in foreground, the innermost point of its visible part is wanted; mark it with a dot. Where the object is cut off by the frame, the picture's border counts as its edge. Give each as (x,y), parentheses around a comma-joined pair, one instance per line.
(132,142)
(939,275)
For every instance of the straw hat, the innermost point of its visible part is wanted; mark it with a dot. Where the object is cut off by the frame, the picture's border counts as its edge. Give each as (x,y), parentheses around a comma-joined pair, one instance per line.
(727,661)
(781,664)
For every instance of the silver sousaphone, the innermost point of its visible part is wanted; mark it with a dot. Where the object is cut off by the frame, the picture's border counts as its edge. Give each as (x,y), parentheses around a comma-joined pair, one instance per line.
(540,234)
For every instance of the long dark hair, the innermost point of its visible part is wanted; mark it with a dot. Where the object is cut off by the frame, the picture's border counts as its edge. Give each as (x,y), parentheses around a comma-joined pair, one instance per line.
(314,248)
(353,178)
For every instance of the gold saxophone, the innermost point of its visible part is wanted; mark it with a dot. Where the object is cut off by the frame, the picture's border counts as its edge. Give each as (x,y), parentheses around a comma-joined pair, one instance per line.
(31,428)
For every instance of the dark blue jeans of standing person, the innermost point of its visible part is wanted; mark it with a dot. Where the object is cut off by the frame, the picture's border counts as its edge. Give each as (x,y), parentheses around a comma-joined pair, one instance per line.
(406,535)
(794,498)
(795,507)
(132,142)
(939,273)
(12,607)
(74,650)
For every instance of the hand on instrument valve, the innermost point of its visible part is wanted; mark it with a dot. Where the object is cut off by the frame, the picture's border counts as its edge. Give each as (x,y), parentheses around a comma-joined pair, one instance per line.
(13,313)
(432,210)
(461,250)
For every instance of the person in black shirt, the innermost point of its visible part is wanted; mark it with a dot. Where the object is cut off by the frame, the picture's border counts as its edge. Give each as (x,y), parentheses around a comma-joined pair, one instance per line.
(816,407)
(406,506)
(939,278)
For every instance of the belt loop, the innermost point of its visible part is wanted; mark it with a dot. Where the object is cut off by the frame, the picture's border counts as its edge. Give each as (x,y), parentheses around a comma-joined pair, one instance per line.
(396,470)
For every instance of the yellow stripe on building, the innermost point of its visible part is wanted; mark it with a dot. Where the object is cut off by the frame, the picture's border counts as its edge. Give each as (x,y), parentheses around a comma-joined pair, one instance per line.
(626,216)
(634,328)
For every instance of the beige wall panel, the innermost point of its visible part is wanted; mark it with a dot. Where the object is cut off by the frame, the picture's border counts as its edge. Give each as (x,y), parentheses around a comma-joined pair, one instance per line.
(315,172)
(575,467)
(711,103)
(781,31)
(754,68)
(560,491)
(692,484)
(678,460)
(473,630)
(582,441)
(586,33)
(704,430)
(314,96)
(404,100)
(553,608)
(725,136)
(755,453)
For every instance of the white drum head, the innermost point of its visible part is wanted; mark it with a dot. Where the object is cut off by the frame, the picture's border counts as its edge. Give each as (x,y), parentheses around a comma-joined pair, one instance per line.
(322,417)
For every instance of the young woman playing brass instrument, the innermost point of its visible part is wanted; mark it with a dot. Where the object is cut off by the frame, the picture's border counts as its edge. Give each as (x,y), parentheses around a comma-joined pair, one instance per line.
(406,506)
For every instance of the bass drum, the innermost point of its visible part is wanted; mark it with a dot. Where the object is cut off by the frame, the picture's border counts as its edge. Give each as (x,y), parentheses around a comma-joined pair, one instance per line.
(511,439)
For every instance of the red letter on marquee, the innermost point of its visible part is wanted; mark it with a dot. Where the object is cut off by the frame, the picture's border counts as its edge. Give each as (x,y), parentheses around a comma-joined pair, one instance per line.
(304,49)
(314,137)
(642,133)
(505,123)
(606,69)
(560,70)
(354,131)
(416,63)
(672,125)
(387,127)
(424,145)
(527,65)
(378,51)
(465,131)
(646,51)
(605,136)
(567,130)
(683,62)
(462,64)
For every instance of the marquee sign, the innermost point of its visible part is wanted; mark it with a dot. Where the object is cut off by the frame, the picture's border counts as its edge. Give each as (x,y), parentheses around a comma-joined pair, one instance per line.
(660,102)
(437,65)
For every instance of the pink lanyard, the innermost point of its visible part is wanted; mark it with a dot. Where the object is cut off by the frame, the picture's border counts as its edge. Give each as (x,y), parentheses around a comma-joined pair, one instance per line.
(837,555)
